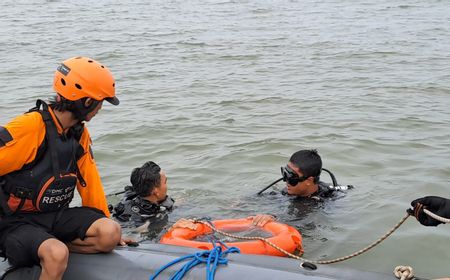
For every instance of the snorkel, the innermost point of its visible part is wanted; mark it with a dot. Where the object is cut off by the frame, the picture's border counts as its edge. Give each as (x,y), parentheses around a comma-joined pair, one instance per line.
(261,191)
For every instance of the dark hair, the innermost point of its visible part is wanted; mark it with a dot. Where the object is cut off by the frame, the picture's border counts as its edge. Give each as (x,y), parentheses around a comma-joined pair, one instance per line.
(309,163)
(77,107)
(145,178)
(62,105)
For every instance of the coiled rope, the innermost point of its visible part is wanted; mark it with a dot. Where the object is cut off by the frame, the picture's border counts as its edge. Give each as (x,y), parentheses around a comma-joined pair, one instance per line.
(403,272)
(212,258)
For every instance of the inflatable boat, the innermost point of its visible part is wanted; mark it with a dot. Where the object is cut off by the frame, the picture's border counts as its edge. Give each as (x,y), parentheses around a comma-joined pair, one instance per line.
(133,263)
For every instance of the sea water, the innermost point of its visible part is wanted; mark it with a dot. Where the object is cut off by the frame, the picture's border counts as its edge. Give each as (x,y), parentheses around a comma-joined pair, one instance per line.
(220,93)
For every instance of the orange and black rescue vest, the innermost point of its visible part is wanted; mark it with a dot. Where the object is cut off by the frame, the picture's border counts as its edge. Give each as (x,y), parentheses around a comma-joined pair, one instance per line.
(48,182)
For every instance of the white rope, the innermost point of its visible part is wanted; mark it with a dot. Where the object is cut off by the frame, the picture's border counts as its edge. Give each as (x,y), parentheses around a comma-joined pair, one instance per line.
(401,272)
(404,272)
(434,216)
(213,228)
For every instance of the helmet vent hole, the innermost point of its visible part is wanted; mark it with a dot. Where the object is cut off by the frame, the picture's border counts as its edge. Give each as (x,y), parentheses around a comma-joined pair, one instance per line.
(102,66)
(77,86)
(114,85)
(63,81)
(90,61)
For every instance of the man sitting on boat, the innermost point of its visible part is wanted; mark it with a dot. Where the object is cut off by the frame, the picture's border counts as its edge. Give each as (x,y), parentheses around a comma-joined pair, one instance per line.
(45,155)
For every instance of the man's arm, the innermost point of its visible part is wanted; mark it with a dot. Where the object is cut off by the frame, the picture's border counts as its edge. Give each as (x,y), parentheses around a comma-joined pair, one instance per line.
(19,141)
(92,194)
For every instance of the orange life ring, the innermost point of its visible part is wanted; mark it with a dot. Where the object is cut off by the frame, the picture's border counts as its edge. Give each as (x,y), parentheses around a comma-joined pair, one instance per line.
(284,236)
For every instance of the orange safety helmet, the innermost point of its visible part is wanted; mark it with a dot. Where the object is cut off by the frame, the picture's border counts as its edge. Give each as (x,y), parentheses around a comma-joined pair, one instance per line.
(81,77)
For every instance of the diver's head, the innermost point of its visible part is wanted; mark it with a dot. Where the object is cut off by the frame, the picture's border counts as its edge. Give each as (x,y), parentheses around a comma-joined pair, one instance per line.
(149,182)
(302,173)
(81,85)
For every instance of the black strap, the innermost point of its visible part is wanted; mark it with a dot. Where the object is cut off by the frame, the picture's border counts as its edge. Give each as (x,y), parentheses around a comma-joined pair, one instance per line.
(21,203)
(80,178)
(39,154)
(50,136)
(4,199)
(5,136)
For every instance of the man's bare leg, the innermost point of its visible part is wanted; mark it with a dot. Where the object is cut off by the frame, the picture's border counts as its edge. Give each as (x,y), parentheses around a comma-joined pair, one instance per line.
(54,256)
(101,237)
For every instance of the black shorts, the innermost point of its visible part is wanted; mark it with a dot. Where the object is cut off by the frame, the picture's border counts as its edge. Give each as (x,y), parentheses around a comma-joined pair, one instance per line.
(22,234)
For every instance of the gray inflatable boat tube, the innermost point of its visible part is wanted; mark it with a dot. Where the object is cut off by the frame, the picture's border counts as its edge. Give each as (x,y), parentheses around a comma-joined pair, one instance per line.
(132,263)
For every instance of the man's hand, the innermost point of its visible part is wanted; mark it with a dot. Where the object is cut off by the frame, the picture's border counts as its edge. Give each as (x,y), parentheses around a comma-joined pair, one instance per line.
(261,219)
(124,241)
(184,223)
(437,205)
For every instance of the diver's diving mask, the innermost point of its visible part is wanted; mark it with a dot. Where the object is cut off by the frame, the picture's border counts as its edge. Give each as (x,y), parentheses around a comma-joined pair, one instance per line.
(291,177)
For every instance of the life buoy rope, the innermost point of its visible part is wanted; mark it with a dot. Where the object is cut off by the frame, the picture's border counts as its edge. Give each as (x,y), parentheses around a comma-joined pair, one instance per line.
(437,217)
(404,272)
(298,257)
(284,239)
(401,272)
(340,259)
(213,228)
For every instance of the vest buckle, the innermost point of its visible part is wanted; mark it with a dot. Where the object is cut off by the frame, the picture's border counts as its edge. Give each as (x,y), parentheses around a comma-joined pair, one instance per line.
(22,192)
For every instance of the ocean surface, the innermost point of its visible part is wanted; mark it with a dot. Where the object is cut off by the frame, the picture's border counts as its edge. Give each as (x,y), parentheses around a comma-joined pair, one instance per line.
(220,94)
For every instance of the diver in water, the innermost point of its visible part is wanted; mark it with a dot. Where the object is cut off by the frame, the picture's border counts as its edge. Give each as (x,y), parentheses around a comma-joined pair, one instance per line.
(437,205)
(145,204)
(146,200)
(302,177)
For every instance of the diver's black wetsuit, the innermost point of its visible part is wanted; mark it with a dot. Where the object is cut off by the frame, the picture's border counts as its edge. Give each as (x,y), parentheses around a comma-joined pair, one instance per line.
(133,211)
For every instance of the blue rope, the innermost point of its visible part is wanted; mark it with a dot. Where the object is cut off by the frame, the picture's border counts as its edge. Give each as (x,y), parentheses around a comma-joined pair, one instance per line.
(212,258)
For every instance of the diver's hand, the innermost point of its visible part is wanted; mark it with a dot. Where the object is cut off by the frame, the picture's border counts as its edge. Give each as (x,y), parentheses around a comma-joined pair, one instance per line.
(261,219)
(124,241)
(438,205)
(184,223)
